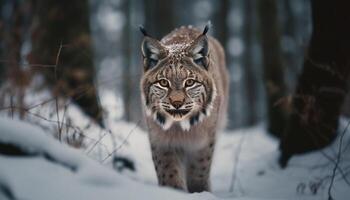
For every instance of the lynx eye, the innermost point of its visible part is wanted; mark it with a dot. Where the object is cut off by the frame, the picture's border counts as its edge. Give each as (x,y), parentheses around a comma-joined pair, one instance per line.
(189,82)
(164,83)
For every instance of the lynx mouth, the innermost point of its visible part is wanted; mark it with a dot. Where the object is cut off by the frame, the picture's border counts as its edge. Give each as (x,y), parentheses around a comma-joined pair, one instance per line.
(178,113)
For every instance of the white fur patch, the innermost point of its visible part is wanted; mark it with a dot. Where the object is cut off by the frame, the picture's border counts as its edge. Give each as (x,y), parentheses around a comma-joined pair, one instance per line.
(185,125)
(197,49)
(201,117)
(153,49)
(154,56)
(197,56)
(167,124)
(148,111)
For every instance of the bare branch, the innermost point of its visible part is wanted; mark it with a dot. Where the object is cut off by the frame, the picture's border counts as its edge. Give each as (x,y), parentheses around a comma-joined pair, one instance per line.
(124,142)
(330,197)
(236,161)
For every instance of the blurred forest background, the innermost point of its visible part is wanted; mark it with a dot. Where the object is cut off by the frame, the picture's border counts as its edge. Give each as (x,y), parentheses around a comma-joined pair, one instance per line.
(79,49)
(73,69)
(101,41)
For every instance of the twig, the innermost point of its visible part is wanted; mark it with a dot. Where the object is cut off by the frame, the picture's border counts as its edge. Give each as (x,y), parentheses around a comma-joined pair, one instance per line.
(64,112)
(330,197)
(236,160)
(122,144)
(338,167)
(12,107)
(97,142)
(75,128)
(56,98)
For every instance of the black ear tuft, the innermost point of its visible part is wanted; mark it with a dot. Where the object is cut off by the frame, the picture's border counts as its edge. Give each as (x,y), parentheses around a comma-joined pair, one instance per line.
(206,28)
(143,30)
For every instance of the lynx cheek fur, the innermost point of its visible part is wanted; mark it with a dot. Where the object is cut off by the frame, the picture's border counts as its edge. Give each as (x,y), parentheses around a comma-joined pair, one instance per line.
(184,92)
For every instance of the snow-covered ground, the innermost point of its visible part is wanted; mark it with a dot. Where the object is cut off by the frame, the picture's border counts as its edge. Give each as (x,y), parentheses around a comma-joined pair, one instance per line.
(244,166)
(56,171)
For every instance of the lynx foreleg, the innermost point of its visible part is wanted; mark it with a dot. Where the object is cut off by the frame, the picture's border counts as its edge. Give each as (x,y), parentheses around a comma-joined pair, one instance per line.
(198,168)
(169,167)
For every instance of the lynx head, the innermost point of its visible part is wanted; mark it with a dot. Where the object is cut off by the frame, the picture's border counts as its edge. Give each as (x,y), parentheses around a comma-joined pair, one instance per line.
(176,85)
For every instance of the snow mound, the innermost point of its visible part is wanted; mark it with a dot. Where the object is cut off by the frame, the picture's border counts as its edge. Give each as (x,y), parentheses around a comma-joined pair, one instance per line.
(48,169)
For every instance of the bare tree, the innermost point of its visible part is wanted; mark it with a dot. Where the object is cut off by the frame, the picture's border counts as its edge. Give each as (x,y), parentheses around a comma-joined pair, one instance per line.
(322,86)
(250,80)
(291,55)
(127,72)
(13,28)
(159,17)
(273,66)
(61,27)
(220,22)
(346,106)
(2,48)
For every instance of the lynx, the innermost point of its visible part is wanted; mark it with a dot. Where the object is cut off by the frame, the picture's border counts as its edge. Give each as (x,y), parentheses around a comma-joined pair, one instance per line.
(184,90)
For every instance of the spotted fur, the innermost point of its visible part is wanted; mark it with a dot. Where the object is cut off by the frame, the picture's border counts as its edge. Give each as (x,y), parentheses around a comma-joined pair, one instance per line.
(184,91)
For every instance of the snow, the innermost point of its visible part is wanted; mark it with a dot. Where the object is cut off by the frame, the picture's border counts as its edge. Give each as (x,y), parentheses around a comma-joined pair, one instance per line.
(54,170)
(39,178)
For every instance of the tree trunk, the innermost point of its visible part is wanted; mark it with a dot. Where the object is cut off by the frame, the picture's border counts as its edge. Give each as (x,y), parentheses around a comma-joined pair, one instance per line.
(61,36)
(322,85)
(13,31)
(159,17)
(346,106)
(2,46)
(250,80)
(273,67)
(291,55)
(220,22)
(127,72)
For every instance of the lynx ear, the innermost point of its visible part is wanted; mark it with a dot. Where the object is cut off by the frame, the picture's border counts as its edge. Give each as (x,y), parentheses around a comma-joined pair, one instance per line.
(152,52)
(200,51)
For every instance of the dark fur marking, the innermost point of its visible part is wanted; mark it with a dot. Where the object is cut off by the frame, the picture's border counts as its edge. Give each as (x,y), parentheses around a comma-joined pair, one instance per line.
(143,30)
(204,111)
(206,28)
(160,118)
(194,119)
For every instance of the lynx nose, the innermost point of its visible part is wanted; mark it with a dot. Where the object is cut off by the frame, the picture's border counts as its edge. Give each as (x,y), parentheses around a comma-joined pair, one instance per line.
(177,98)
(177,104)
